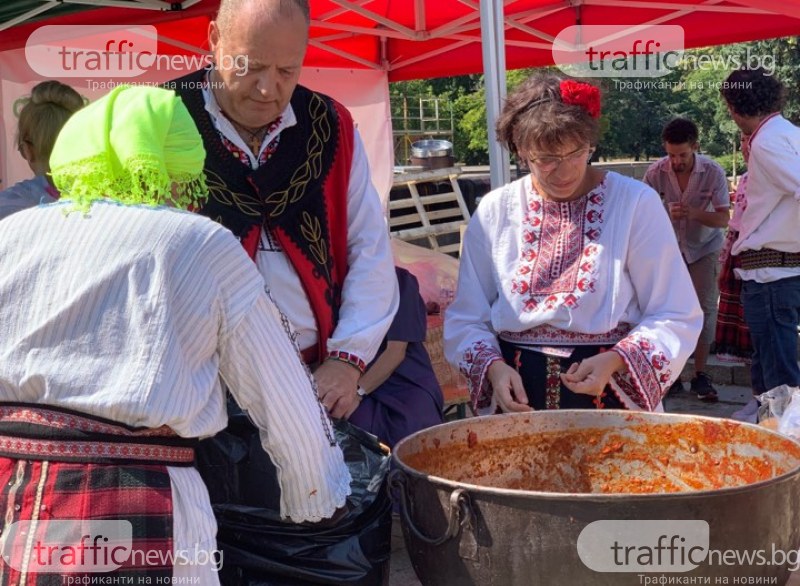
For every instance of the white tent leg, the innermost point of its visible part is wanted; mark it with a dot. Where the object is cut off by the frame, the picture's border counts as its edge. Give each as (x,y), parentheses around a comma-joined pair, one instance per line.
(494,70)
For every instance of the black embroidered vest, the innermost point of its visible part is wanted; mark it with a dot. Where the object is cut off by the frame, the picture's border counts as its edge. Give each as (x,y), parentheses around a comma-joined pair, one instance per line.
(299,194)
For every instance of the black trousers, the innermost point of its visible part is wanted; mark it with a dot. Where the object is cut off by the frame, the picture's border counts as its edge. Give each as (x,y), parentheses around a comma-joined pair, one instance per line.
(543,386)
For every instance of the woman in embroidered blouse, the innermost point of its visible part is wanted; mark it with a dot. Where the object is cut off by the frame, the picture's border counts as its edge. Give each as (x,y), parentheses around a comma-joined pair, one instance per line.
(572,292)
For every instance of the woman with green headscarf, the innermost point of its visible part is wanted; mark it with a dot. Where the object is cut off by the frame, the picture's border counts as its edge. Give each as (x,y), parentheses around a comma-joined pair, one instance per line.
(119,319)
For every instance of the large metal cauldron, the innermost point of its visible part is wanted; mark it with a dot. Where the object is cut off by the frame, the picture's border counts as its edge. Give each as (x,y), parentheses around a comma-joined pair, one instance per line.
(432,154)
(502,500)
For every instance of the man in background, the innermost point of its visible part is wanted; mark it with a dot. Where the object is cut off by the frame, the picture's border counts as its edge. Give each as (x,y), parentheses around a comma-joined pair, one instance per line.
(768,247)
(695,190)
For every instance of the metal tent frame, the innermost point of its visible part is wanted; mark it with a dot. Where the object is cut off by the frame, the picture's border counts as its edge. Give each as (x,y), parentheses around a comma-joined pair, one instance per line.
(430,38)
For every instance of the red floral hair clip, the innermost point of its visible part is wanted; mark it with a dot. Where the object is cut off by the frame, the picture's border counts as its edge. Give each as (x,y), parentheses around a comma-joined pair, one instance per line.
(577,93)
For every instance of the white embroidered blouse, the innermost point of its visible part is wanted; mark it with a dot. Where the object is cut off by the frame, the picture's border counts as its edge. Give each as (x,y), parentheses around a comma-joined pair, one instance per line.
(605,268)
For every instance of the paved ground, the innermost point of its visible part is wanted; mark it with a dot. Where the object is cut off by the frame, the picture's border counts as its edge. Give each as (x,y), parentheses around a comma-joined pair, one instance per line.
(731,398)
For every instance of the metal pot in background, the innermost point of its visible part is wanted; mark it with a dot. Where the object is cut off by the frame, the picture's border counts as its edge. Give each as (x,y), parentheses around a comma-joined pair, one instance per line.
(461,530)
(432,154)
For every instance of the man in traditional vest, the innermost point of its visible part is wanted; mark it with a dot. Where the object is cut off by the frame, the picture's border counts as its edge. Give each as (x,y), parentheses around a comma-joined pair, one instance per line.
(288,175)
(768,247)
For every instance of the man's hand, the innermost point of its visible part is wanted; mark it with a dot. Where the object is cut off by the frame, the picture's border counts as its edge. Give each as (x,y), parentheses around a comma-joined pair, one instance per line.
(353,407)
(507,385)
(590,376)
(678,211)
(337,383)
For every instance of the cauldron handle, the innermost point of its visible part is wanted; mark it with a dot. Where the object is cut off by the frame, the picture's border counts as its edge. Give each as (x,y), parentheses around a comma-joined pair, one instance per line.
(460,510)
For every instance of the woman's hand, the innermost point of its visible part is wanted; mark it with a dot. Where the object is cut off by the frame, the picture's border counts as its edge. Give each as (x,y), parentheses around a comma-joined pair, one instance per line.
(590,376)
(509,393)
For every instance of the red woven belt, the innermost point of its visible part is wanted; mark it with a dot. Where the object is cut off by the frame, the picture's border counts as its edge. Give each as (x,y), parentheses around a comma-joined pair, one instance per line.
(31,432)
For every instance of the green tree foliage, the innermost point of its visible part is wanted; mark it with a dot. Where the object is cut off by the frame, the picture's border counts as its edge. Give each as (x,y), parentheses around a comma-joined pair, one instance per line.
(633,114)
(472,136)
(704,70)
(786,53)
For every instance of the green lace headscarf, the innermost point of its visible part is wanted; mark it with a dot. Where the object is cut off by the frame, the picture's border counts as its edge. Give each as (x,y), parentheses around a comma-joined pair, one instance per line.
(133,146)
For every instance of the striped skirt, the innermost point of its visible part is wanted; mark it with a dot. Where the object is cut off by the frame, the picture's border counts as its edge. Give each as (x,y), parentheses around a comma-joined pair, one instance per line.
(732,339)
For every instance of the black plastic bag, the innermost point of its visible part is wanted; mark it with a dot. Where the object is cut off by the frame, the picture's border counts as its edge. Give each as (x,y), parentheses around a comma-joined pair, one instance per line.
(261,550)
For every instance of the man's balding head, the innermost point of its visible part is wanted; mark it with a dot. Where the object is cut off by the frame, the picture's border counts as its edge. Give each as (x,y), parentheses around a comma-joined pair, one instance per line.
(258,48)
(272,10)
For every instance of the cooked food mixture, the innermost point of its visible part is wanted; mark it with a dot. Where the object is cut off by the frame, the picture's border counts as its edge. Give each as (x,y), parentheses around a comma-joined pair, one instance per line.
(675,457)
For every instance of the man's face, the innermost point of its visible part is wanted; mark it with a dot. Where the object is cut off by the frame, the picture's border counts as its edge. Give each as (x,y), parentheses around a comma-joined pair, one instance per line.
(681,156)
(258,62)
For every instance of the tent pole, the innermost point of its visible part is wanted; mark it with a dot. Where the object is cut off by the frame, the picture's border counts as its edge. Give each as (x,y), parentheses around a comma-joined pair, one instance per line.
(494,72)
(28,15)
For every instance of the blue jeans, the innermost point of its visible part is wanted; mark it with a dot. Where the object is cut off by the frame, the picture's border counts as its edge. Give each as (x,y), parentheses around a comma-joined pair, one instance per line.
(772,312)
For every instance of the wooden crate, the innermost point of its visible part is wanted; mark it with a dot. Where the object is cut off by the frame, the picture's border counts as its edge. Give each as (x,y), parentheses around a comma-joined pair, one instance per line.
(453,383)
(437,217)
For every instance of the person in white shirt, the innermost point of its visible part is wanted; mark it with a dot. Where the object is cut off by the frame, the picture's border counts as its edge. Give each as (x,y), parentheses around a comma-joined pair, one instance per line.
(121,319)
(768,246)
(695,190)
(572,292)
(288,175)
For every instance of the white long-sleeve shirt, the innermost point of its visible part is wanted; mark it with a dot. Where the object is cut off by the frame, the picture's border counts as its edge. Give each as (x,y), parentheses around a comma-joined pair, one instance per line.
(370,296)
(772,217)
(135,314)
(602,269)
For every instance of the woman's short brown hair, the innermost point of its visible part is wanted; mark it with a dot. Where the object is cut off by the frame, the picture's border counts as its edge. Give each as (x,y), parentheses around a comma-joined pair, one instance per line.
(535,117)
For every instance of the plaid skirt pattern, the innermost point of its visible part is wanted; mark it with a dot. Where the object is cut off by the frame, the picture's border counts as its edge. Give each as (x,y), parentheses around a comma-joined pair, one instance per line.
(732,336)
(41,492)
(41,496)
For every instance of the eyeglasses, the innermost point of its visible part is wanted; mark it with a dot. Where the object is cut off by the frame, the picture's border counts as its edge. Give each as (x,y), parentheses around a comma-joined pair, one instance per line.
(547,163)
